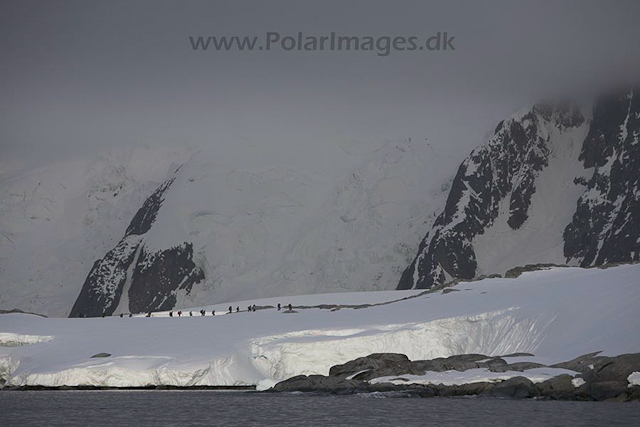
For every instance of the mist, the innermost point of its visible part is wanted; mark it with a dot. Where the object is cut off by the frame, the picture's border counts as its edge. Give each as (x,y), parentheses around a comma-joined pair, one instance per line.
(80,77)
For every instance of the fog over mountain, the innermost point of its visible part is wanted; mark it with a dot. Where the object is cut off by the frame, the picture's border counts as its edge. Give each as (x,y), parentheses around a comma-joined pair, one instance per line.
(138,174)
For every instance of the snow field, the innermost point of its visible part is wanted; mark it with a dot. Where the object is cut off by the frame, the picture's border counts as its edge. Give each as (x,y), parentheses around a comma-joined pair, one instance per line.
(556,314)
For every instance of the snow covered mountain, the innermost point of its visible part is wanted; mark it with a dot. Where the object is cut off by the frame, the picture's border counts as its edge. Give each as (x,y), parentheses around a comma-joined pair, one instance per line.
(149,229)
(556,183)
(152,228)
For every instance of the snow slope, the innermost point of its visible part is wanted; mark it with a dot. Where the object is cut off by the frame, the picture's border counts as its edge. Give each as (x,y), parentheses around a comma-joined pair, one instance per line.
(556,314)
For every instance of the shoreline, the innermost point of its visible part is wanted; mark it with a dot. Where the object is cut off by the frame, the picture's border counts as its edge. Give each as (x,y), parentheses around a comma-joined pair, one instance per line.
(151,387)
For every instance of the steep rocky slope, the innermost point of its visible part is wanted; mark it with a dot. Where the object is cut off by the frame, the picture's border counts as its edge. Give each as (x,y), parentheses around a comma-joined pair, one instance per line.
(555,184)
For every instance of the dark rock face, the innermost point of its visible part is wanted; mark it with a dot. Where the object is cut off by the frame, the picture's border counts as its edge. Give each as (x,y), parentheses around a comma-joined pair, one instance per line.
(505,169)
(154,276)
(158,275)
(103,286)
(605,227)
(146,215)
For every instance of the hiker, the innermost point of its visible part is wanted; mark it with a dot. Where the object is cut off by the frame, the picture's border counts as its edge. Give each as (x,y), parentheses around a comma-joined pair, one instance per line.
(191,314)
(202,312)
(230,309)
(238,309)
(130,315)
(279,307)
(290,307)
(213,312)
(253,307)
(171,314)
(121,315)
(180,313)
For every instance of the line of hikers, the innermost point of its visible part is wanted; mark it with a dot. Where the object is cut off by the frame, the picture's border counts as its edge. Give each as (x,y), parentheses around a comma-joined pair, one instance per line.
(251,308)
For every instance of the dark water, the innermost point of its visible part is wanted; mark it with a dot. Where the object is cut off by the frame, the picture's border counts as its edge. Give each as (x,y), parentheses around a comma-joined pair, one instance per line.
(187,408)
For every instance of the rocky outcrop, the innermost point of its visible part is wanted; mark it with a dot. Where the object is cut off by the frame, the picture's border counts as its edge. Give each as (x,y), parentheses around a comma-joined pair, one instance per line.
(515,388)
(159,275)
(154,277)
(605,378)
(103,286)
(600,378)
(499,181)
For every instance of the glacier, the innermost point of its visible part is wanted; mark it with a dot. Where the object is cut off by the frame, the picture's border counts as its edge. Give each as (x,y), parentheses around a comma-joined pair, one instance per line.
(557,314)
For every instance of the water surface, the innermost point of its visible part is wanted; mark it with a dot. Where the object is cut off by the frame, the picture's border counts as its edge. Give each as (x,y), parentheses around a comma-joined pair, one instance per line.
(205,408)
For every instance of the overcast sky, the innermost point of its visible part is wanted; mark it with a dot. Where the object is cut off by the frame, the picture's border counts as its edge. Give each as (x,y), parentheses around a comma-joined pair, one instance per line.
(81,76)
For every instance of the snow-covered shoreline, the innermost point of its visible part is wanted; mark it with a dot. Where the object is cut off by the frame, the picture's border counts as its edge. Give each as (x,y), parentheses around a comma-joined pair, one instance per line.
(556,314)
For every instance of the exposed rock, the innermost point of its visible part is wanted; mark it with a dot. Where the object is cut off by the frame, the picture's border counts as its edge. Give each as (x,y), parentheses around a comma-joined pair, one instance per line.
(460,362)
(17,310)
(616,368)
(498,180)
(583,364)
(516,387)
(146,215)
(557,388)
(504,169)
(159,275)
(101,355)
(489,276)
(605,390)
(379,364)
(103,286)
(319,383)
(517,271)
(155,276)
(518,366)
(605,227)
(606,381)
(518,355)
(472,389)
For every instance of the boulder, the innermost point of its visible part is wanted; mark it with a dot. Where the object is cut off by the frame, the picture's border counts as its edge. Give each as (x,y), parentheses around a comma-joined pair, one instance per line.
(557,388)
(516,388)
(318,383)
(460,362)
(376,365)
(617,368)
(518,366)
(606,390)
(518,355)
(471,389)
